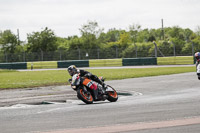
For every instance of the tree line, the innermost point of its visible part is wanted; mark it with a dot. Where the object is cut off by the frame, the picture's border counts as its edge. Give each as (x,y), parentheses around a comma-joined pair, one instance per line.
(94,37)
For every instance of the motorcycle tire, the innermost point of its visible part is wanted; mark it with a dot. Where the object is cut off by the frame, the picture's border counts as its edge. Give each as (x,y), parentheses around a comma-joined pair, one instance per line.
(85,97)
(112,95)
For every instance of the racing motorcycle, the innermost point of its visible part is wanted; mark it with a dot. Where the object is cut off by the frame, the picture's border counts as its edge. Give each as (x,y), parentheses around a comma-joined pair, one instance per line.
(89,91)
(198,71)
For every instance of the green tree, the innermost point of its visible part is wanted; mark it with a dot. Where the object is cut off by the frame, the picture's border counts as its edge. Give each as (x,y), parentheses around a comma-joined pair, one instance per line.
(179,44)
(196,43)
(187,49)
(134,29)
(76,43)
(113,35)
(42,41)
(90,33)
(143,50)
(188,34)
(197,30)
(125,40)
(143,36)
(166,47)
(8,41)
(62,43)
(176,32)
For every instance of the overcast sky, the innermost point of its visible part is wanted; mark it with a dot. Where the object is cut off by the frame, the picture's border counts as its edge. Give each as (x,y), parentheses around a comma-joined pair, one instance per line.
(65,17)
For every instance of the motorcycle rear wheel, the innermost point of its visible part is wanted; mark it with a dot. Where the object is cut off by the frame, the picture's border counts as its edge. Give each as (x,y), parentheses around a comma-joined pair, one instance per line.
(112,95)
(86,97)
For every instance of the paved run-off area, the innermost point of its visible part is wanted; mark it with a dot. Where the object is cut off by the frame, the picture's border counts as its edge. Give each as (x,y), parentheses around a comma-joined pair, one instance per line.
(158,104)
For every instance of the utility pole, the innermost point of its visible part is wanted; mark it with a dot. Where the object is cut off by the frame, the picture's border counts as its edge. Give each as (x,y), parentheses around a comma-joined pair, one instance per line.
(18,41)
(174,48)
(163,34)
(156,49)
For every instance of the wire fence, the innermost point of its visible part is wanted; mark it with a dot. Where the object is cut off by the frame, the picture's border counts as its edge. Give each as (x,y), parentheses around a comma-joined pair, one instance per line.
(86,54)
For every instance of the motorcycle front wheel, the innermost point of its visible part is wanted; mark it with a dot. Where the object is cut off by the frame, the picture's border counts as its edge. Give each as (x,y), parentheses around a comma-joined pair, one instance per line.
(86,97)
(112,95)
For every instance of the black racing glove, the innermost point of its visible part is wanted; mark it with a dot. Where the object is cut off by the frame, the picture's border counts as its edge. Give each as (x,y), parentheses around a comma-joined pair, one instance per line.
(70,80)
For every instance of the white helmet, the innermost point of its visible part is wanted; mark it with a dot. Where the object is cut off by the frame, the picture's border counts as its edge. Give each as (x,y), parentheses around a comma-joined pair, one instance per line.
(72,70)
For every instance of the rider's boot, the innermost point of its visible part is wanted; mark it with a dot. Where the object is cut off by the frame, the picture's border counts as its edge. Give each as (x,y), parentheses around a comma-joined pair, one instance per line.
(95,78)
(104,86)
(95,94)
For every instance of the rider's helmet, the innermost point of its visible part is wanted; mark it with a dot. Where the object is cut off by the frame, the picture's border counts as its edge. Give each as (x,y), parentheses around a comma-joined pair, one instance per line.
(197,55)
(72,70)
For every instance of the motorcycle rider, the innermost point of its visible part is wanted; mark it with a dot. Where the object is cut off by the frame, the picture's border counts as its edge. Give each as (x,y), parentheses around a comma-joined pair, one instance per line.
(197,57)
(73,70)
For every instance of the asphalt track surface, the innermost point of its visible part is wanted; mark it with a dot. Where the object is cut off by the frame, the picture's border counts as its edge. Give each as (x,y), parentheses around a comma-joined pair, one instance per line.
(159,104)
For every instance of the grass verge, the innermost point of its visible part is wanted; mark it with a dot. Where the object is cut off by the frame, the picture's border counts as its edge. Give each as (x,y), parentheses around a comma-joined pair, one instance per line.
(175,60)
(42,65)
(16,79)
(105,62)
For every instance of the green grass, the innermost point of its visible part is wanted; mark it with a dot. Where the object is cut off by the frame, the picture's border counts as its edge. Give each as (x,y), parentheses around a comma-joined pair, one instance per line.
(32,78)
(15,79)
(42,64)
(5,70)
(175,60)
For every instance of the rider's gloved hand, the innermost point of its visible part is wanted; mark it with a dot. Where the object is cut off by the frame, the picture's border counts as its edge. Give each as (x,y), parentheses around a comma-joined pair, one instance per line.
(70,80)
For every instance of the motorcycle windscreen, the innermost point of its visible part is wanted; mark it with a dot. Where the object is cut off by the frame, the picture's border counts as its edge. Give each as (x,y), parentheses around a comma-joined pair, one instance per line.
(89,83)
(75,80)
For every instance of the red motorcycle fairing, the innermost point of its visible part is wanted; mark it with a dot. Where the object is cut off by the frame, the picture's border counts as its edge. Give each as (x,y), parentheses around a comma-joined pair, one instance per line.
(91,84)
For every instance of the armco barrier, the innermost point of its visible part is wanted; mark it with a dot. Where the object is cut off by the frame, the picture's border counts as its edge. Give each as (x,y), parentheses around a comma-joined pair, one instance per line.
(77,63)
(139,61)
(16,65)
(100,63)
